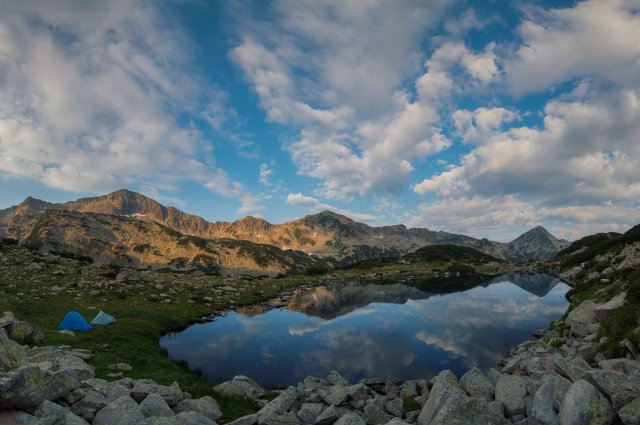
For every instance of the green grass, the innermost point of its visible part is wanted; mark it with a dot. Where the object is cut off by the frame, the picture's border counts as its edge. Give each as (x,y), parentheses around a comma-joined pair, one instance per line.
(141,316)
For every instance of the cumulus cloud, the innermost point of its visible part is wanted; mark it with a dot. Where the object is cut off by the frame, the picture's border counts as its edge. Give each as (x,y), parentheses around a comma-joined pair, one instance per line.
(92,99)
(327,74)
(593,39)
(315,205)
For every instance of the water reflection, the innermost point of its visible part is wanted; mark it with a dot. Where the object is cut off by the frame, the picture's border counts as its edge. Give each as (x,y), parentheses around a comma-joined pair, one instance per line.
(393,330)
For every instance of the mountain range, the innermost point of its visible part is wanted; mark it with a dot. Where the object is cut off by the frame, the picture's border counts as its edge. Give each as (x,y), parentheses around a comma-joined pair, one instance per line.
(128,227)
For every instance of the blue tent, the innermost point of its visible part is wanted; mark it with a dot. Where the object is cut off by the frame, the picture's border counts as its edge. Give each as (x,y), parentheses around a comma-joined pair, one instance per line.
(102,318)
(74,321)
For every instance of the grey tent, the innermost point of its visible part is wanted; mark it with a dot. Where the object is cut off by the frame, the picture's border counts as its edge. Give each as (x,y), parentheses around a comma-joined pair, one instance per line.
(103,318)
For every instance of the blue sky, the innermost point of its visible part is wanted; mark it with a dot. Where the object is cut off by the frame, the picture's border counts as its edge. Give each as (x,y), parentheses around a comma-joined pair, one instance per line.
(483,118)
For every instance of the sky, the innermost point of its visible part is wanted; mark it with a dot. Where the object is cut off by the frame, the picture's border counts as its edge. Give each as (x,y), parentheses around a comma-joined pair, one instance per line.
(479,117)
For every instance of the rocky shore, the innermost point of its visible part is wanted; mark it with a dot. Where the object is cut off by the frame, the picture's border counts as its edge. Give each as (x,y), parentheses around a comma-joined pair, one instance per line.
(558,379)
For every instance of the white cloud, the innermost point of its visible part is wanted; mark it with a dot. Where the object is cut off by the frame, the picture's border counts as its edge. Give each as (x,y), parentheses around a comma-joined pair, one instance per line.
(313,204)
(266,170)
(325,73)
(594,38)
(92,96)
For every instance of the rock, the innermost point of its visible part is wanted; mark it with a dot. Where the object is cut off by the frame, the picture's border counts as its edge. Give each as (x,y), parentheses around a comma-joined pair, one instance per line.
(584,313)
(154,405)
(630,413)
(358,392)
(50,412)
(72,419)
(603,311)
(560,387)
(336,395)
(625,366)
(309,412)
(12,354)
(375,415)
(511,390)
(245,420)
(313,382)
(477,385)
(196,418)
(88,403)
(395,407)
(163,420)
(583,404)
(17,417)
(28,386)
(444,387)
(122,411)
(461,409)
(206,405)
(287,418)
(574,370)
(542,405)
(281,404)
(350,419)
(120,366)
(241,386)
(328,416)
(129,276)
(334,378)
(617,387)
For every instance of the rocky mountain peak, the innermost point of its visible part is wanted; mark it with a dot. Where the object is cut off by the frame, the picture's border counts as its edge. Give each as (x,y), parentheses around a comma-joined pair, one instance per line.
(327,219)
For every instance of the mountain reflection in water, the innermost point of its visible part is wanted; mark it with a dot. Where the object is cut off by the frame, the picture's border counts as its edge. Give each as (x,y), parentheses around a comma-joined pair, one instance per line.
(364,329)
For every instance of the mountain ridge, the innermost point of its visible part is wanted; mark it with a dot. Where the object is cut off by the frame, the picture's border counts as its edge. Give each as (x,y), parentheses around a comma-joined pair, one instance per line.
(325,234)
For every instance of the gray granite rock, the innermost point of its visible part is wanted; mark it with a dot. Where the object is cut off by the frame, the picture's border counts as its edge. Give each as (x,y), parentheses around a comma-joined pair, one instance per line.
(155,405)
(207,406)
(122,411)
(477,385)
(583,404)
(512,390)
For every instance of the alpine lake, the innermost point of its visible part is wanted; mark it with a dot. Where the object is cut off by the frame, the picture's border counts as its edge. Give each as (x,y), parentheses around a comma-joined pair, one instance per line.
(372,329)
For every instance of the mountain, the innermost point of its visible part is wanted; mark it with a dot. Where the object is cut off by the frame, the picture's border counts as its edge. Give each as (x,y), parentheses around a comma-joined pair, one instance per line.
(536,244)
(328,235)
(126,241)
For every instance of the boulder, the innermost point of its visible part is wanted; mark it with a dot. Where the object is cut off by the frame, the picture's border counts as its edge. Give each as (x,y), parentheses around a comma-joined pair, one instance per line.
(281,404)
(334,378)
(542,409)
(395,407)
(163,420)
(206,405)
(584,313)
(573,370)
(155,405)
(583,404)
(122,411)
(617,387)
(287,418)
(327,416)
(195,418)
(477,385)
(375,415)
(12,354)
(560,387)
(350,418)
(630,413)
(309,412)
(241,386)
(28,386)
(50,412)
(511,391)
(17,417)
(625,366)
(461,409)
(337,394)
(603,311)
(444,387)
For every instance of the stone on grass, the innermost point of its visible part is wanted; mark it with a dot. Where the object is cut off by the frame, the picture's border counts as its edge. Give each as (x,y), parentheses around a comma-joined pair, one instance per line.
(206,405)
(241,386)
(603,311)
(12,354)
(584,313)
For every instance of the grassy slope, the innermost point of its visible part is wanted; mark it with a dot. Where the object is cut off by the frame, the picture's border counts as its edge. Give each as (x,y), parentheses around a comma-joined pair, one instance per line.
(597,253)
(141,318)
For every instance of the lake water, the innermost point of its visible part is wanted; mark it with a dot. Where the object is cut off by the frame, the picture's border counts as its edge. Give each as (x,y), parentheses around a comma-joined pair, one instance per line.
(373,330)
